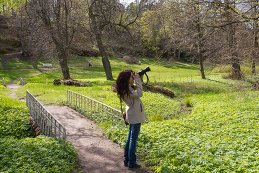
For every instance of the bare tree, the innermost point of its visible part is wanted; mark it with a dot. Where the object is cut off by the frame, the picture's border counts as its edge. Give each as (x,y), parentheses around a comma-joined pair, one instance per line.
(248,13)
(255,26)
(199,35)
(100,14)
(190,32)
(35,40)
(231,31)
(108,14)
(59,20)
(238,16)
(228,21)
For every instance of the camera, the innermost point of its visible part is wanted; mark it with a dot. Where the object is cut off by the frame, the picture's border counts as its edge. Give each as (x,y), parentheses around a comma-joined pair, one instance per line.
(142,72)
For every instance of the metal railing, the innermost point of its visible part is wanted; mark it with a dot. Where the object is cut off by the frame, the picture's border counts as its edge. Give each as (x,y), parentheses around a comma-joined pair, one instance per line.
(47,123)
(3,9)
(22,81)
(93,109)
(3,81)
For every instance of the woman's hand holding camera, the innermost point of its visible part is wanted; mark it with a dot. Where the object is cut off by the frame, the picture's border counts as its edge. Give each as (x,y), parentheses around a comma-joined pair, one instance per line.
(136,75)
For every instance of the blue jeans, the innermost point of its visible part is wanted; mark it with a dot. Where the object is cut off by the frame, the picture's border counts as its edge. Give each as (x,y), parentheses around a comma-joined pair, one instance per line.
(131,144)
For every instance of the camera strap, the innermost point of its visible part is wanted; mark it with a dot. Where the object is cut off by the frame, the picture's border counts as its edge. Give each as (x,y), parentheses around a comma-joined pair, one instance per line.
(121,107)
(147,79)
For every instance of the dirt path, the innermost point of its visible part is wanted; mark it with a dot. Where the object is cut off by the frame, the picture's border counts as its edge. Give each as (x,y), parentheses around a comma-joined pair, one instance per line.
(13,88)
(97,154)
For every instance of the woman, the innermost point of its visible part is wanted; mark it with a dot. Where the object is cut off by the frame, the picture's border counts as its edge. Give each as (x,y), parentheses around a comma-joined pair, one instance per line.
(134,112)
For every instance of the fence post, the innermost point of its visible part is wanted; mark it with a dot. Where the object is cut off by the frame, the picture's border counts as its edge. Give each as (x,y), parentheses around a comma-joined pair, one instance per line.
(91,102)
(80,103)
(43,118)
(94,109)
(3,9)
(55,129)
(84,107)
(3,81)
(22,81)
(64,133)
(76,101)
(68,97)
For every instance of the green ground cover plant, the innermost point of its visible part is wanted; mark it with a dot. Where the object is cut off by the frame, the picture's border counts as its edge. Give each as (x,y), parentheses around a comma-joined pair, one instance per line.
(216,137)
(14,119)
(217,133)
(11,4)
(41,154)
(19,152)
(4,91)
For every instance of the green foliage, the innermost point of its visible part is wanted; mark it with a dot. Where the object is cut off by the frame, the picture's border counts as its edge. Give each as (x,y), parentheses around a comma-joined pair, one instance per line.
(19,152)
(216,137)
(150,27)
(41,154)
(14,122)
(14,118)
(217,134)
(3,90)
(188,102)
(15,4)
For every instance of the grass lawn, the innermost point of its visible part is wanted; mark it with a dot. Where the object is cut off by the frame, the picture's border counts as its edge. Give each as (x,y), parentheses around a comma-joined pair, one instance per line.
(219,133)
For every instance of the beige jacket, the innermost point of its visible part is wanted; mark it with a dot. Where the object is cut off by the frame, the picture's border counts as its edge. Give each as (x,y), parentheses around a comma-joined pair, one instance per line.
(134,107)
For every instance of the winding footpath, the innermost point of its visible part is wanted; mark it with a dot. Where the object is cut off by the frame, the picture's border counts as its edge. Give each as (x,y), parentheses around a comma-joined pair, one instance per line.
(13,88)
(96,153)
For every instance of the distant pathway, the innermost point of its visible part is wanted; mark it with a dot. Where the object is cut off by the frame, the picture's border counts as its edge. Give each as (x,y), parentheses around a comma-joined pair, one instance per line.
(13,88)
(97,154)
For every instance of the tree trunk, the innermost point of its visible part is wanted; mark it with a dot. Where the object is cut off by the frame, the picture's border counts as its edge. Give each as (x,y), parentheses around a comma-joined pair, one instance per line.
(199,53)
(201,66)
(253,65)
(4,62)
(96,23)
(175,57)
(179,54)
(199,38)
(105,60)
(236,70)
(256,44)
(62,57)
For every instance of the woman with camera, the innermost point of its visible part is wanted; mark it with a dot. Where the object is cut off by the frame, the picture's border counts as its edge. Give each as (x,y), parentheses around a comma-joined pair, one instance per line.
(130,94)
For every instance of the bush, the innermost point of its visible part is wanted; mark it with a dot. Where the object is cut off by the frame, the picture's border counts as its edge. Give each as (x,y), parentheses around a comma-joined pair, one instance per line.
(19,153)
(41,154)
(14,119)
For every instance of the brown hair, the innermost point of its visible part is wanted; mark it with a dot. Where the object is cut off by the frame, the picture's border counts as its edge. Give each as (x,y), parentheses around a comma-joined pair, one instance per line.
(122,83)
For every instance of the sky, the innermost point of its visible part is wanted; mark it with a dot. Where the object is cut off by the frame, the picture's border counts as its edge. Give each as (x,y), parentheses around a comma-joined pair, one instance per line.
(126,2)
